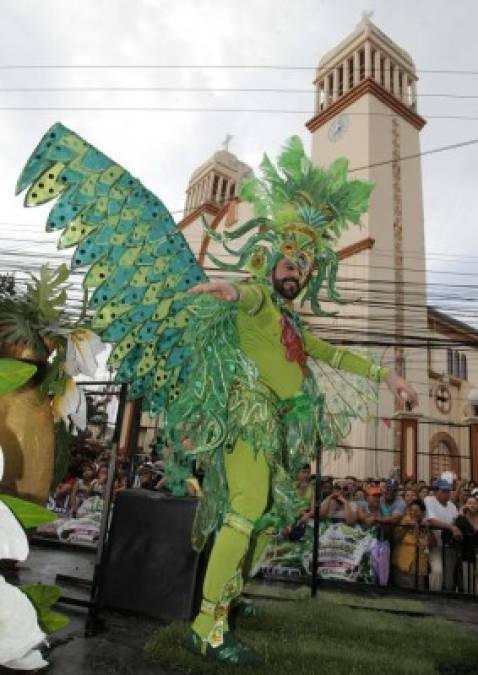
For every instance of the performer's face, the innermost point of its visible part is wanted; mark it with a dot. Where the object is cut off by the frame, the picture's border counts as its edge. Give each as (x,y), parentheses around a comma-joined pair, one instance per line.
(289,279)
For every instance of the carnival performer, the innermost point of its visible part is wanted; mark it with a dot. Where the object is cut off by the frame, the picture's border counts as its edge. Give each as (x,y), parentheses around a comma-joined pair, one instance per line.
(273,338)
(231,365)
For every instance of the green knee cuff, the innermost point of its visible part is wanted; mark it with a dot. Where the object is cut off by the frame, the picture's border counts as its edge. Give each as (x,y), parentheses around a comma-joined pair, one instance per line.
(239,523)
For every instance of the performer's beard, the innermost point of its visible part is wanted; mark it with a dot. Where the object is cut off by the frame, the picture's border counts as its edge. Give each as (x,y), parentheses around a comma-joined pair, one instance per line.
(288,287)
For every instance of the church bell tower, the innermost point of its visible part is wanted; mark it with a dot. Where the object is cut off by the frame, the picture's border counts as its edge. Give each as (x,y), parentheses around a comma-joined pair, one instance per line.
(366,110)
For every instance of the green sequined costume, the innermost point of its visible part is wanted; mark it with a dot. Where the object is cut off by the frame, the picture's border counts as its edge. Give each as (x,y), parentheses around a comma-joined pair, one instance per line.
(221,374)
(267,422)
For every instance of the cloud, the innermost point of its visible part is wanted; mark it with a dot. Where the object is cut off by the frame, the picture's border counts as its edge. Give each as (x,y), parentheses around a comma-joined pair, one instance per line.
(164,148)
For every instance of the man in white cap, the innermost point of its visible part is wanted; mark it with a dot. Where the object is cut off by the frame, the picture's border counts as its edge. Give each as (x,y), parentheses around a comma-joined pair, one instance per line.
(441,516)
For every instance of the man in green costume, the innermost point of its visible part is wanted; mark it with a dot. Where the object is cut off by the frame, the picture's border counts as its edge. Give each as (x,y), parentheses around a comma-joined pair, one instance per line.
(231,367)
(269,335)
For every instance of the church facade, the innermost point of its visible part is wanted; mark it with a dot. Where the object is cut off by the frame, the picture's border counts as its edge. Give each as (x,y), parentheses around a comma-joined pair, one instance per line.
(366,110)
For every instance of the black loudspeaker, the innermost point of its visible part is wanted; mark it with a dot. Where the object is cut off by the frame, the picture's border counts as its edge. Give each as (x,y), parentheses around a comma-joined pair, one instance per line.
(150,567)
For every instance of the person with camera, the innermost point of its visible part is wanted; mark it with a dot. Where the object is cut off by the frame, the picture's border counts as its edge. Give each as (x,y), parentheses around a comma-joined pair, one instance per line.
(337,507)
(412,541)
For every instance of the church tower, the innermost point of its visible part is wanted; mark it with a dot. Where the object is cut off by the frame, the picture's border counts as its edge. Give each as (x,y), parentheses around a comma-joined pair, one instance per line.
(366,110)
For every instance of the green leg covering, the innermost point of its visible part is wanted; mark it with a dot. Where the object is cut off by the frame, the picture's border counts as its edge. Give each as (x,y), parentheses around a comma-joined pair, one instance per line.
(258,546)
(248,483)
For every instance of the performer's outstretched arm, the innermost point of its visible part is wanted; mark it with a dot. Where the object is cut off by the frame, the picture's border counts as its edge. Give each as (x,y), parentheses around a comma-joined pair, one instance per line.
(344,359)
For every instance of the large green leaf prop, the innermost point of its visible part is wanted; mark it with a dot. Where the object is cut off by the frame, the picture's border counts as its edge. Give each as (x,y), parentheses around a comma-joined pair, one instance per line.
(43,598)
(14,374)
(29,515)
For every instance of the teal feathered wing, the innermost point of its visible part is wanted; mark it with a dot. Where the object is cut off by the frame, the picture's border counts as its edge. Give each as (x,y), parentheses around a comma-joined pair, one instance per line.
(140,266)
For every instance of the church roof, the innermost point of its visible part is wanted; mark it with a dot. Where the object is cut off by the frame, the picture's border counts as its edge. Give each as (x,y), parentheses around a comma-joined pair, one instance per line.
(222,160)
(366,28)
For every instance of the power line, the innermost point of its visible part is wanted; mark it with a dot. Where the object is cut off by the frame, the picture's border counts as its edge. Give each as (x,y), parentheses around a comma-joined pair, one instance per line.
(162,66)
(209,90)
(176,109)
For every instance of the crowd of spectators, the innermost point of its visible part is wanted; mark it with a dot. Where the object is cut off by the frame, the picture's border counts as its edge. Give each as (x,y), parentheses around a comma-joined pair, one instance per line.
(427,533)
(424,536)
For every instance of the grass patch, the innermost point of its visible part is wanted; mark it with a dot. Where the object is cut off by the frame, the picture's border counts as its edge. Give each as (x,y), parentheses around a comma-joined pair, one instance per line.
(325,637)
(285,592)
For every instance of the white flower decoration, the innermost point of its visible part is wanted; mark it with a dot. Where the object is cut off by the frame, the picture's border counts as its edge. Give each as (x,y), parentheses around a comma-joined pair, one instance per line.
(83,346)
(20,633)
(70,404)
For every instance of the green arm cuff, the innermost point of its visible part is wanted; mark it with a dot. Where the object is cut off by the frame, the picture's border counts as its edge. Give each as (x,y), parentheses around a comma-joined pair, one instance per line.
(343,359)
(251,298)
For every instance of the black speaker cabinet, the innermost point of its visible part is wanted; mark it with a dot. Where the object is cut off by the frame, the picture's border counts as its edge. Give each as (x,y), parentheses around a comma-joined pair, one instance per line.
(149,566)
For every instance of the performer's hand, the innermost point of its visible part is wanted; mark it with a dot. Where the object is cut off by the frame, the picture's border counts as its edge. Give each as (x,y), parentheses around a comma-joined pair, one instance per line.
(220,290)
(401,389)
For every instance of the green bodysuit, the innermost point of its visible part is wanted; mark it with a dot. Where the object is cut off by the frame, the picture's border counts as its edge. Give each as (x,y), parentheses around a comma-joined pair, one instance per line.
(248,470)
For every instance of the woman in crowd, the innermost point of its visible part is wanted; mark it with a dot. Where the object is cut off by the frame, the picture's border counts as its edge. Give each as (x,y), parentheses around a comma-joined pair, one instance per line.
(467,523)
(98,485)
(360,497)
(410,496)
(82,488)
(412,539)
(337,507)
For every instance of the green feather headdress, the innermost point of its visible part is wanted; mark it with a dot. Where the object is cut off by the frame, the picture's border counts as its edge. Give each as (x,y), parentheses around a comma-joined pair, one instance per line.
(300,212)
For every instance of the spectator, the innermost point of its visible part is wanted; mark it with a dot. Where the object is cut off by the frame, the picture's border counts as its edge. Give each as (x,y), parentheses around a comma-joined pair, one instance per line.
(369,515)
(412,539)
(441,515)
(326,487)
(82,488)
(337,508)
(423,492)
(467,523)
(392,506)
(147,480)
(121,482)
(98,485)
(410,496)
(360,497)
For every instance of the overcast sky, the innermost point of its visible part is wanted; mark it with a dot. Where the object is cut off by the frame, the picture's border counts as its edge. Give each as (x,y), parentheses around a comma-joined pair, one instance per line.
(163,148)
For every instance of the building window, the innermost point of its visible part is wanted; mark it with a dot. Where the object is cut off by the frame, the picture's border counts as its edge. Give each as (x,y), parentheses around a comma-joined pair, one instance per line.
(382,71)
(232,190)
(215,186)
(362,64)
(224,189)
(351,73)
(331,88)
(322,101)
(449,362)
(392,78)
(456,364)
(373,54)
(400,84)
(340,72)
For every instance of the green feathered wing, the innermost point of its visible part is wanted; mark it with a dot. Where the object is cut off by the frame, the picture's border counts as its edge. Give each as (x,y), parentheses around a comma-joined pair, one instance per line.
(140,266)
